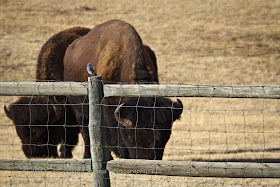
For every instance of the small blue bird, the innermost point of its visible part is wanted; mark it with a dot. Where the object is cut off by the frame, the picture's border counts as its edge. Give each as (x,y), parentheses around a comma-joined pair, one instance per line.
(90,70)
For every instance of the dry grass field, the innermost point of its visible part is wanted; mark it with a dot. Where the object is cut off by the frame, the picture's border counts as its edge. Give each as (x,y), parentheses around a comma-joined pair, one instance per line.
(233,42)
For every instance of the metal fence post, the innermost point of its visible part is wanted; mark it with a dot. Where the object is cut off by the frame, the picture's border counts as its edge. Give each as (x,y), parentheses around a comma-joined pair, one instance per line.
(97,133)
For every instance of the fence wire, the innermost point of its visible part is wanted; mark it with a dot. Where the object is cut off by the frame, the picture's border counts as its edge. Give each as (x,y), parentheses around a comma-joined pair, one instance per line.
(209,130)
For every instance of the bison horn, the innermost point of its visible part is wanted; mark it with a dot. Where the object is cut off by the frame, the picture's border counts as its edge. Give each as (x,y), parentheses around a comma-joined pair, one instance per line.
(178,106)
(8,113)
(124,121)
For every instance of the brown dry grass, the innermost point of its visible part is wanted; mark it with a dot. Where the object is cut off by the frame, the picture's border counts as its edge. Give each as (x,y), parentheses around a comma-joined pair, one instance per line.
(230,42)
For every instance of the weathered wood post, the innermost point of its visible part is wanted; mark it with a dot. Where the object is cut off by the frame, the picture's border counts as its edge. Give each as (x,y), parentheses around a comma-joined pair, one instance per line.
(97,132)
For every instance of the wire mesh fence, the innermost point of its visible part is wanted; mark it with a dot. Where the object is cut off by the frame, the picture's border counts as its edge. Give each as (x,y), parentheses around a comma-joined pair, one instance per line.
(242,128)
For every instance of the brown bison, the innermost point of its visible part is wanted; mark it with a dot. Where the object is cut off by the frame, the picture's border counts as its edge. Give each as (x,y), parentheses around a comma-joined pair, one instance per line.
(42,122)
(139,127)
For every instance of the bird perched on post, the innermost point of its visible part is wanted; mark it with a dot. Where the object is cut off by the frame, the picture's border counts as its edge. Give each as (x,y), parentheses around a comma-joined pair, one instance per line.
(90,70)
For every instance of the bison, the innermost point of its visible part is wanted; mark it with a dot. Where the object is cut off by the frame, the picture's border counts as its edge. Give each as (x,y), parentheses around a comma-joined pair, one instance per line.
(139,127)
(42,122)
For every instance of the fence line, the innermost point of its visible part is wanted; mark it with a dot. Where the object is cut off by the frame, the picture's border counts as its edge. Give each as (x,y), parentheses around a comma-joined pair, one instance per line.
(135,90)
(178,168)
(43,88)
(62,165)
(150,167)
(182,90)
(195,169)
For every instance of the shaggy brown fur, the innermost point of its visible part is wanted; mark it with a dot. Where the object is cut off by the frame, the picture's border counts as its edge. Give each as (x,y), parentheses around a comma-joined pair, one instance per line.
(117,54)
(50,59)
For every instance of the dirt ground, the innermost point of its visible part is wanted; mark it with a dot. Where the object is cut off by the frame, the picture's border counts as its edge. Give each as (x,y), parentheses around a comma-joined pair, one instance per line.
(231,42)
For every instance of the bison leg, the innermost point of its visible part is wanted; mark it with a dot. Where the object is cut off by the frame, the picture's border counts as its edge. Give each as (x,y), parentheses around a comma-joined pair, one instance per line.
(70,142)
(71,132)
(66,151)
(52,151)
(80,108)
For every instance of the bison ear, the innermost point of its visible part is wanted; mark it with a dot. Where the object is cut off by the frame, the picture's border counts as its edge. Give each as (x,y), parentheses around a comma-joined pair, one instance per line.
(124,121)
(8,113)
(177,109)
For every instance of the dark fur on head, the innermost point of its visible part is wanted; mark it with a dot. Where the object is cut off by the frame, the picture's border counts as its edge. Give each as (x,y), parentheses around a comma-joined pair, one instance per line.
(150,123)
(40,124)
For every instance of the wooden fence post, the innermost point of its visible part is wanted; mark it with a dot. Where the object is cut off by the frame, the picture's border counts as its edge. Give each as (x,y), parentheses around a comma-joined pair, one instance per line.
(97,133)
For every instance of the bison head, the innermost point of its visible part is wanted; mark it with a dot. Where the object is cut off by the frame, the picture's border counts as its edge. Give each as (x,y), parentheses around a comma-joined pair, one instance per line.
(31,116)
(146,125)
